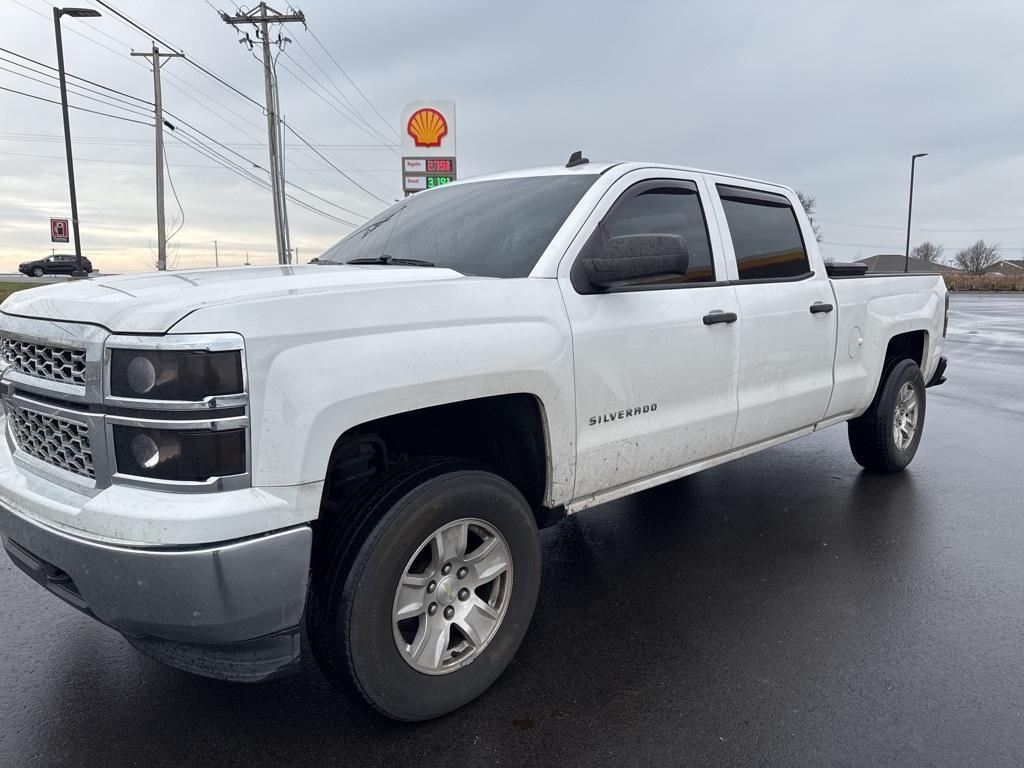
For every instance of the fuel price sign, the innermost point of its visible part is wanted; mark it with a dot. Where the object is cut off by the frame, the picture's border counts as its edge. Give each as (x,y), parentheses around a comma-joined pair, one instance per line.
(428,145)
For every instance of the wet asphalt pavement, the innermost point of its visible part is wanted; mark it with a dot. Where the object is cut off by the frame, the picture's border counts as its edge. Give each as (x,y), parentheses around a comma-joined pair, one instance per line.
(785,609)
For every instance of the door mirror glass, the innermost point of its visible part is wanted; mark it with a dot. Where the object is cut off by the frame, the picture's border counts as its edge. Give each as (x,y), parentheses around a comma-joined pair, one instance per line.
(630,259)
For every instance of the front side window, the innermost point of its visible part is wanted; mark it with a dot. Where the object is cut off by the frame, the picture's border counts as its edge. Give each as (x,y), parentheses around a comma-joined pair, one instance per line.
(660,207)
(494,228)
(765,234)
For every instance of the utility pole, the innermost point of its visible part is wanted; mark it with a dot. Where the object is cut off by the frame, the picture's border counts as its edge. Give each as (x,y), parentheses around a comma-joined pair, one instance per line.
(216,256)
(282,146)
(262,17)
(161,230)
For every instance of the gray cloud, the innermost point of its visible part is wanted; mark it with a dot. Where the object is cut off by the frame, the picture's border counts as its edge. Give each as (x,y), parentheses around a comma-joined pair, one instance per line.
(829,97)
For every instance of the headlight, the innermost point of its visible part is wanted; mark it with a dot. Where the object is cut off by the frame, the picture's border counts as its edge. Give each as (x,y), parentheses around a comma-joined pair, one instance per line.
(182,455)
(183,375)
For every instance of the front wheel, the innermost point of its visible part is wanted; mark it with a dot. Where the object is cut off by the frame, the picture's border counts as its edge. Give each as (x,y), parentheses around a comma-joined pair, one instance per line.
(885,438)
(37,272)
(419,607)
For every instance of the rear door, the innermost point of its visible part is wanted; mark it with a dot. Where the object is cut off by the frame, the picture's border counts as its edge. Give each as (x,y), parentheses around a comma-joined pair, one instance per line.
(655,382)
(787,318)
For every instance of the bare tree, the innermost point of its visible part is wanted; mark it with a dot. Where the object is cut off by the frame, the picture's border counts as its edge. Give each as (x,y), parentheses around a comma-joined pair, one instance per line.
(977,258)
(810,205)
(929,251)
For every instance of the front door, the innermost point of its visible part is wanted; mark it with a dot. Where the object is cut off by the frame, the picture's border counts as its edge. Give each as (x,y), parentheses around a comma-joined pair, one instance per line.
(656,366)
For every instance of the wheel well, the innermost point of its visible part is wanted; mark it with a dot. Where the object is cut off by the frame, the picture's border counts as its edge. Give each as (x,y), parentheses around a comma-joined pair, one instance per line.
(504,433)
(906,346)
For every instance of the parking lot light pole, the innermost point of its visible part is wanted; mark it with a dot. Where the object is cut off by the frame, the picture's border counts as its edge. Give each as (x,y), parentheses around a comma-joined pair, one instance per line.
(910,209)
(74,13)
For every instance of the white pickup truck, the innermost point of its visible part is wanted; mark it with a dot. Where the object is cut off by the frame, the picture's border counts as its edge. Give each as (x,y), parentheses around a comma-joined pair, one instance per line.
(207,460)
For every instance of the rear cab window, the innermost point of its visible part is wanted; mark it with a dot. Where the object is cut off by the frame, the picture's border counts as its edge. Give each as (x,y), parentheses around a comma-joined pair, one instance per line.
(765,233)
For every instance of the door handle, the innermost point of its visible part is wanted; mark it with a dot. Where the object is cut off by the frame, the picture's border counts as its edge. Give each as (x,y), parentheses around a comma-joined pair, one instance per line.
(819,307)
(713,318)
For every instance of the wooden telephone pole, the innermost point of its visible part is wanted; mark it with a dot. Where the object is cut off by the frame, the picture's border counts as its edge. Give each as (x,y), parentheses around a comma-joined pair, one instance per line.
(155,56)
(262,16)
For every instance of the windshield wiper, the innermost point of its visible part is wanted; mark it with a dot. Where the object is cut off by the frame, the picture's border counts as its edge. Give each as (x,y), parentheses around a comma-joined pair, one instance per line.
(385,259)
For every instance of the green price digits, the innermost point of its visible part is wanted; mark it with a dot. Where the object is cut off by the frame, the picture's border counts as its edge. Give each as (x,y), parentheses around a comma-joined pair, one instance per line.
(438,181)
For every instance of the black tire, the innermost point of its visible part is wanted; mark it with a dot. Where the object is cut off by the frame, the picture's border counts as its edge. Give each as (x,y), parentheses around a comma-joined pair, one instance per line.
(357,565)
(37,272)
(871,434)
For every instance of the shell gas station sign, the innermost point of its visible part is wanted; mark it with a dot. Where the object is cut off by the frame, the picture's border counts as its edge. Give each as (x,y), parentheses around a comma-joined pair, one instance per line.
(428,145)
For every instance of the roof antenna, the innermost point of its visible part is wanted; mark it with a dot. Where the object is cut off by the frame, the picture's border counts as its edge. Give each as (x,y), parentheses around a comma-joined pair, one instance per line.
(577,158)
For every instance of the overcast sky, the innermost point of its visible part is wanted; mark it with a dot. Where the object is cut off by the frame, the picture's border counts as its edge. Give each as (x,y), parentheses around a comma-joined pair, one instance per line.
(829,97)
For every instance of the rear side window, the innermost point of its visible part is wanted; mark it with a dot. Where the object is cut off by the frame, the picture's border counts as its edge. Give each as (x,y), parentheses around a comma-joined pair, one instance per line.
(765,234)
(664,208)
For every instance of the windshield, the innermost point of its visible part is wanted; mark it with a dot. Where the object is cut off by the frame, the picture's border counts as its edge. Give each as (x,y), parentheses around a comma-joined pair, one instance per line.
(490,228)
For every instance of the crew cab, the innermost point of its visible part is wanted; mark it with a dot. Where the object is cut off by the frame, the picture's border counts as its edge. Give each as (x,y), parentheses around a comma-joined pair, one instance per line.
(207,460)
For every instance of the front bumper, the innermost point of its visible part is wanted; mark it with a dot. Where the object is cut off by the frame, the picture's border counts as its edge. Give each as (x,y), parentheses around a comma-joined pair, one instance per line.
(230,610)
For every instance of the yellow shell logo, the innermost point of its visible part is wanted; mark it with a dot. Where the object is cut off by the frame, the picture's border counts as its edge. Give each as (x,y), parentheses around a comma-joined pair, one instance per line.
(427,127)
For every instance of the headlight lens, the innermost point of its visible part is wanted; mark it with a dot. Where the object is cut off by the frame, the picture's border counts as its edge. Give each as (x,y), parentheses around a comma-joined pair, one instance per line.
(182,455)
(183,375)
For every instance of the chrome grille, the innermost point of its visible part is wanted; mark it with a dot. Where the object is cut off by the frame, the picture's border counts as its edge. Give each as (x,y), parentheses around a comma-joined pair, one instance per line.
(56,441)
(63,364)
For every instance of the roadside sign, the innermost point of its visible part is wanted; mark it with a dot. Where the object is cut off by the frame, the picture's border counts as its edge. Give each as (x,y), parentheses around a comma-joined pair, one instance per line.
(59,230)
(428,145)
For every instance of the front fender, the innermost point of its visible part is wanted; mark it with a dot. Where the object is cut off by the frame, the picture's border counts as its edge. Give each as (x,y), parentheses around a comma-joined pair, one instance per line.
(318,367)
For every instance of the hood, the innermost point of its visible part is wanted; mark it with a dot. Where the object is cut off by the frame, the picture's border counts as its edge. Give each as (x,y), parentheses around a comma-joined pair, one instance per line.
(154,301)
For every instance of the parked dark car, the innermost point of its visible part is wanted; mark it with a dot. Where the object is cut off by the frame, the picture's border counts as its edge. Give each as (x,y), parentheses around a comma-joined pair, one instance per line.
(58,264)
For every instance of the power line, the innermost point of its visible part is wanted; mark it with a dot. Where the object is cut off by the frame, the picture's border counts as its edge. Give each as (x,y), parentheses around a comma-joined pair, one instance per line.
(76,77)
(221,107)
(330,81)
(321,155)
(144,142)
(181,121)
(980,228)
(170,181)
(336,105)
(171,76)
(124,19)
(73,106)
(898,249)
(74,31)
(78,159)
(128,20)
(353,83)
(101,98)
(260,167)
(198,146)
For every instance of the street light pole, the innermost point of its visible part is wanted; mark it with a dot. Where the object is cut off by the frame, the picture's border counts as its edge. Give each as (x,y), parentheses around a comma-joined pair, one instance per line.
(910,209)
(77,13)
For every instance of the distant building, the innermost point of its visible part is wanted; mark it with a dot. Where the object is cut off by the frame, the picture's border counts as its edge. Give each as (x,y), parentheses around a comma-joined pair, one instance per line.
(896,262)
(1009,267)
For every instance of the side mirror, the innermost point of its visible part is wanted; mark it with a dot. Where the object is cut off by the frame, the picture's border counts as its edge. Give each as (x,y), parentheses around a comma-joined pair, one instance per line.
(631,258)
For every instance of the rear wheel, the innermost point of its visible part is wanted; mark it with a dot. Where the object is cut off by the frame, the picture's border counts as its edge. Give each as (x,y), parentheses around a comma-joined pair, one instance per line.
(885,438)
(424,588)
